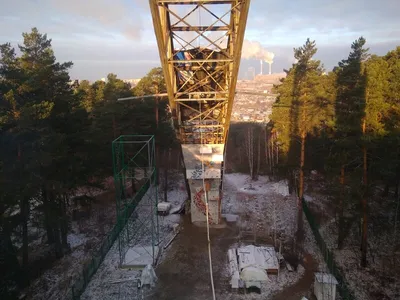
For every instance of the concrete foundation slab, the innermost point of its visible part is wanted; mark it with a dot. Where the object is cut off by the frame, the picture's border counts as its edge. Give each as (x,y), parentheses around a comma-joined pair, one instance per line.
(139,257)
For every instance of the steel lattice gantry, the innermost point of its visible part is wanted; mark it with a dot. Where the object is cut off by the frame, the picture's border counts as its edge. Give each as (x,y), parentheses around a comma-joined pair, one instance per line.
(200,45)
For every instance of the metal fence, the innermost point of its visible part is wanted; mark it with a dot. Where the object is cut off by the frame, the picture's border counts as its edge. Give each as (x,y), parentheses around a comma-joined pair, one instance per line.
(342,287)
(90,268)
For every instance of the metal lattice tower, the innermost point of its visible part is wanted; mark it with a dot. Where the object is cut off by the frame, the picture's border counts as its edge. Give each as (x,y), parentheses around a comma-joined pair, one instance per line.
(200,45)
(136,194)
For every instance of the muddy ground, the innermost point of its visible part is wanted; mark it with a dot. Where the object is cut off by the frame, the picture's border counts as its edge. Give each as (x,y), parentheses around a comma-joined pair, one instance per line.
(183,268)
(184,271)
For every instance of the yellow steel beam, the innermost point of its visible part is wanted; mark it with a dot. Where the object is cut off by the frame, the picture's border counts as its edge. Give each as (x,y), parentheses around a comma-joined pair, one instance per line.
(203,76)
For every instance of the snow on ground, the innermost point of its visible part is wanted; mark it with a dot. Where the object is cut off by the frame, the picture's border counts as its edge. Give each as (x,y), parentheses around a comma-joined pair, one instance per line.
(380,280)
(112,282)
(101,285)
(84,238)
(266,204)
(269,205)
(75,240)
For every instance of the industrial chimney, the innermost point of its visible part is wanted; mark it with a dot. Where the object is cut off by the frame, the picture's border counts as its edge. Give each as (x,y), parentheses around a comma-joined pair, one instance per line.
(270,67)
(261,63)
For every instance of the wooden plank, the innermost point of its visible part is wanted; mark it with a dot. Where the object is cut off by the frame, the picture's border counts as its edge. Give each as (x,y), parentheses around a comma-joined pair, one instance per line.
(289,267)
(234,268)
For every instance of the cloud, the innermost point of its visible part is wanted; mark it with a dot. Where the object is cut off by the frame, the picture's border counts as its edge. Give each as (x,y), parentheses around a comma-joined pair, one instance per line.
(102,36)
(74,16)
(255,50)
(329,55)
(325,20)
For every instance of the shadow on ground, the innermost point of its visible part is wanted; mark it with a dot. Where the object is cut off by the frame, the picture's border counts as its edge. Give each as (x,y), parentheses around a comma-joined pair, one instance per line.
(184,273)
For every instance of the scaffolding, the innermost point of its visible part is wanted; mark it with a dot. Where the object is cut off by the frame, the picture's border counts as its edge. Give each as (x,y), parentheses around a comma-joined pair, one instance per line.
(136,196)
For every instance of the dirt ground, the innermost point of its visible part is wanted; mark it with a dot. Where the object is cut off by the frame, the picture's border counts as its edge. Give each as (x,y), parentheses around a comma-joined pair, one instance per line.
(184,271)
(304,285)
(183,268)
(185,274)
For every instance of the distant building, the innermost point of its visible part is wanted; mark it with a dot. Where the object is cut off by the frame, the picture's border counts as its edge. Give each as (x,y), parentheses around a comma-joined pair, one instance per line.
(132,82)
(74,83)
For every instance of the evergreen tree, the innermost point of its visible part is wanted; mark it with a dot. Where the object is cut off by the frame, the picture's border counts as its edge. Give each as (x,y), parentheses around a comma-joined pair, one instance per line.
(351,127)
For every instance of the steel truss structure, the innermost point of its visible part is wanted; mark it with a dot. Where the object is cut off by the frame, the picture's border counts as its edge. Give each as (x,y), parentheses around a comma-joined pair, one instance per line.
(201,79)
(200,44)
(136,194)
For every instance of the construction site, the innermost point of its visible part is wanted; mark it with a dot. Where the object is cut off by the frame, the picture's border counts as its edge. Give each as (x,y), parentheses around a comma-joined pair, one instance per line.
(229,211)
(220,235)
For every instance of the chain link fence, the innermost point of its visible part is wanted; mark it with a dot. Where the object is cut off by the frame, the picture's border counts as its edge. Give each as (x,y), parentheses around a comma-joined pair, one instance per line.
(90,268)
(342,287)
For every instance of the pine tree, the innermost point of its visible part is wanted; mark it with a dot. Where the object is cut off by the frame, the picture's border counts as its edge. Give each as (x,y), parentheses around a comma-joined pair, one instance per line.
(351,128)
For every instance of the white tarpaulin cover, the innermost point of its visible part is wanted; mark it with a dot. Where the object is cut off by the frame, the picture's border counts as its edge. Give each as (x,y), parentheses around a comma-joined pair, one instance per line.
(259,257)
(148,277)
(251,274)
(234,270)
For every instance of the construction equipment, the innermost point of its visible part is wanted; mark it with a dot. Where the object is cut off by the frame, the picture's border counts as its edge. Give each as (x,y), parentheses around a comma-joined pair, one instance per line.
(200,45)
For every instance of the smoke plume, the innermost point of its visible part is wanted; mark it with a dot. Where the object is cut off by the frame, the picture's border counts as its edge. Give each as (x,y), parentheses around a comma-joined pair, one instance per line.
(255,50)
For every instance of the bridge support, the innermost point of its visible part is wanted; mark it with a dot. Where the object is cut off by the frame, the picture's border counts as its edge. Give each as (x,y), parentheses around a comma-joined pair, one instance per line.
(200,43)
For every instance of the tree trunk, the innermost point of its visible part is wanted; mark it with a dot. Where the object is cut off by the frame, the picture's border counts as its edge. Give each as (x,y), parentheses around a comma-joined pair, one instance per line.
(249,144)
(341,209)
(240,156)
(114,127)
(302,154)
(386,190)
(11,272)
(58,244)
(299,234)
(64,222)
(364,242)
(47,216)
(266,145)
(277,151)
(24,211)
(157,146)
(166,165)
(259,154)
(271,152)
(396,189)
(55,223)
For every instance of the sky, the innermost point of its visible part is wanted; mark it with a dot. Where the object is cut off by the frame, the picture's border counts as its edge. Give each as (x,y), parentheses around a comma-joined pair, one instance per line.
(117,36)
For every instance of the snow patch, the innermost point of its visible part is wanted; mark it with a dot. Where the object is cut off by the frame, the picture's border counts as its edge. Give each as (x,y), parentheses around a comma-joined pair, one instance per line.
(75,240)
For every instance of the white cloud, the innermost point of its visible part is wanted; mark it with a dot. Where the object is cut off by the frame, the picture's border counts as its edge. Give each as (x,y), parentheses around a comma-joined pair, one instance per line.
(103,36)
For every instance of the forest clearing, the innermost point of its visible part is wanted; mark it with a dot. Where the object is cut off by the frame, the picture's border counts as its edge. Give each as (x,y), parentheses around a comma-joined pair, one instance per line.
(319,182)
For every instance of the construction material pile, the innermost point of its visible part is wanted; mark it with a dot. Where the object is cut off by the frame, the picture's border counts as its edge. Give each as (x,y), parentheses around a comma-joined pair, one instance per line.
(250,265)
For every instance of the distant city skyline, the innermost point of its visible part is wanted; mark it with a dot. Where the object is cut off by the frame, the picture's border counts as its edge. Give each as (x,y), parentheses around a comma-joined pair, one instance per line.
(101,37)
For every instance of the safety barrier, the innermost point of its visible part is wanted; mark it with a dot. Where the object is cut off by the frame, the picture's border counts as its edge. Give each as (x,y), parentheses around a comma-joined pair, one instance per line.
(90,268)
(342,287)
